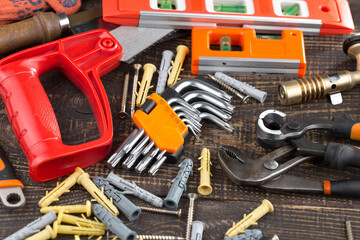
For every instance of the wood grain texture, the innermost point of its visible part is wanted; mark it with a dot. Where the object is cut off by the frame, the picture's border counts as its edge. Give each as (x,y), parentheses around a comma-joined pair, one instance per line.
(296,215)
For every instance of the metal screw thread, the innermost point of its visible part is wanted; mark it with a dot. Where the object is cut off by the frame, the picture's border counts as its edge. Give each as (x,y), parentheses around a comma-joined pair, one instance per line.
(134,87)
(244,98)
(159,210)
(124,94)
(159,237)
(192,197)
(349,230)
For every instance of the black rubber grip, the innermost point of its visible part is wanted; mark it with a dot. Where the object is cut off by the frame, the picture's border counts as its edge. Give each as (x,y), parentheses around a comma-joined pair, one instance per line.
(148,106)
(342,126)
(340,156)
(7,172)
(349,188)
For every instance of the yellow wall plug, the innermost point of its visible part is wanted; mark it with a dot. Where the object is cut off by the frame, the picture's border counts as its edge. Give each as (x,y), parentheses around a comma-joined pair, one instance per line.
(75,230)
(61,188)
(45,234)
(181,52)
(99,196)
(250,219)
(144,86)
(78,221)
(69,209)
(204,187)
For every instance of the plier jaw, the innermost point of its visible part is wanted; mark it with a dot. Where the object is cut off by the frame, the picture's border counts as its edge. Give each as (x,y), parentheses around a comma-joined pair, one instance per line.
(273,128)
(243,170)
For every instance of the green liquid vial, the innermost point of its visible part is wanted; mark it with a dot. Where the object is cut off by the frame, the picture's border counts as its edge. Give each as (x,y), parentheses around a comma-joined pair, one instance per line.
(268,37)
(225,43)
(293,10)
(165,4)
(230,8)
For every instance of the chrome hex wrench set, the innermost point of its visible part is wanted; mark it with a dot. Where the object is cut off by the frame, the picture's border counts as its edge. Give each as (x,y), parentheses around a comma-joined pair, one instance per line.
(164,121)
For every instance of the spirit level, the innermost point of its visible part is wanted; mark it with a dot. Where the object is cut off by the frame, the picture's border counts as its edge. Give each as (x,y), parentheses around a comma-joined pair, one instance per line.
(321,17)
(257,56)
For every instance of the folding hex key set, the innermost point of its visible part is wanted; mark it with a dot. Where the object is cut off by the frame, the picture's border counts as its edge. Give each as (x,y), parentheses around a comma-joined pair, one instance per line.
(164,121)
(321,17)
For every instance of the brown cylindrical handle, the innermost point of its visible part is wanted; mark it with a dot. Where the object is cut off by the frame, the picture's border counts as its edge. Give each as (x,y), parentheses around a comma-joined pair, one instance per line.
(42,27)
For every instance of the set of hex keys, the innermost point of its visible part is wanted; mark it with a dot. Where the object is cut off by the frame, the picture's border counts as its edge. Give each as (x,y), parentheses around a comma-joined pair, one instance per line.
(164,121)
(148,151)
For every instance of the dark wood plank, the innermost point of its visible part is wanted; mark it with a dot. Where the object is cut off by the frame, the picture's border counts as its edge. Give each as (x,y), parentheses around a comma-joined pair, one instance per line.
(296,215)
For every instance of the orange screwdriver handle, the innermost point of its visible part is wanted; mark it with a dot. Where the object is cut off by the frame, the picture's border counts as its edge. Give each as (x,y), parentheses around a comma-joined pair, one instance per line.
(161,124)
(346,127)
(350,188)
(7,174)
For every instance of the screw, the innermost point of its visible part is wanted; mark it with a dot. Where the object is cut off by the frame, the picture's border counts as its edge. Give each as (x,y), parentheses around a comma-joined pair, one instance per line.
(147,237)
(349,230)
(137,68)
(244,98)
(192,197)
(159,237)
(159,210)
(122,114)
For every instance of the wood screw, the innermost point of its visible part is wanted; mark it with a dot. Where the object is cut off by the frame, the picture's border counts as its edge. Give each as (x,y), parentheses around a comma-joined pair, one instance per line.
(159,210)
(243,98)
(349,232)
(122,114)
(192,197)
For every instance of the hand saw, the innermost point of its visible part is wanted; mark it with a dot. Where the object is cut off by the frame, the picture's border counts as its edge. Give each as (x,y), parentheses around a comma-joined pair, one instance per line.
(83,58)
(47,26)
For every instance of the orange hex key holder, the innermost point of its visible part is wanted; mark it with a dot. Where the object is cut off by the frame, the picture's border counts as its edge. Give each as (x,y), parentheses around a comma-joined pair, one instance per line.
(159,131)
(163,122)
(285,56)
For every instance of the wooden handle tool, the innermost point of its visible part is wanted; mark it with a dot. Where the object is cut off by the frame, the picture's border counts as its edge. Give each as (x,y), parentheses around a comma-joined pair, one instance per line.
(41,28)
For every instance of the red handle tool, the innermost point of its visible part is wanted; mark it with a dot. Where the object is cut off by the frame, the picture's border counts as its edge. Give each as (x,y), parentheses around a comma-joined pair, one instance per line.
(82,58)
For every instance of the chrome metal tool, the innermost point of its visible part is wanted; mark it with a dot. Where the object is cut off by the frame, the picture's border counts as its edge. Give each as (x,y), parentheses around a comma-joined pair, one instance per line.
(165,120)
(273,129)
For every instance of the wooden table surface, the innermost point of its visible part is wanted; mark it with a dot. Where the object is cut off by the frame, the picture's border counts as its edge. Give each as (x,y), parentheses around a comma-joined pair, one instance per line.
(296,215)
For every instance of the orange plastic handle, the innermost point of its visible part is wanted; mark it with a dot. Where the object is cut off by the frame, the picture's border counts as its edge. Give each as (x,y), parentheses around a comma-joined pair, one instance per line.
(355,132)
(162,125)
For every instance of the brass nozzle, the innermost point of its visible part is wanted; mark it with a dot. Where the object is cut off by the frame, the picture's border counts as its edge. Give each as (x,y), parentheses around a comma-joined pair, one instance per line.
(314,87)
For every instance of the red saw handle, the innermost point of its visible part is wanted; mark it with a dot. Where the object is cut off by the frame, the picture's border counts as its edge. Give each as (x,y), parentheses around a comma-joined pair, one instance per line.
(83,58)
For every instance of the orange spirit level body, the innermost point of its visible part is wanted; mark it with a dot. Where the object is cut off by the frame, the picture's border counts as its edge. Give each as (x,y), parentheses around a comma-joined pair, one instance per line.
(257,56)
(320,17)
